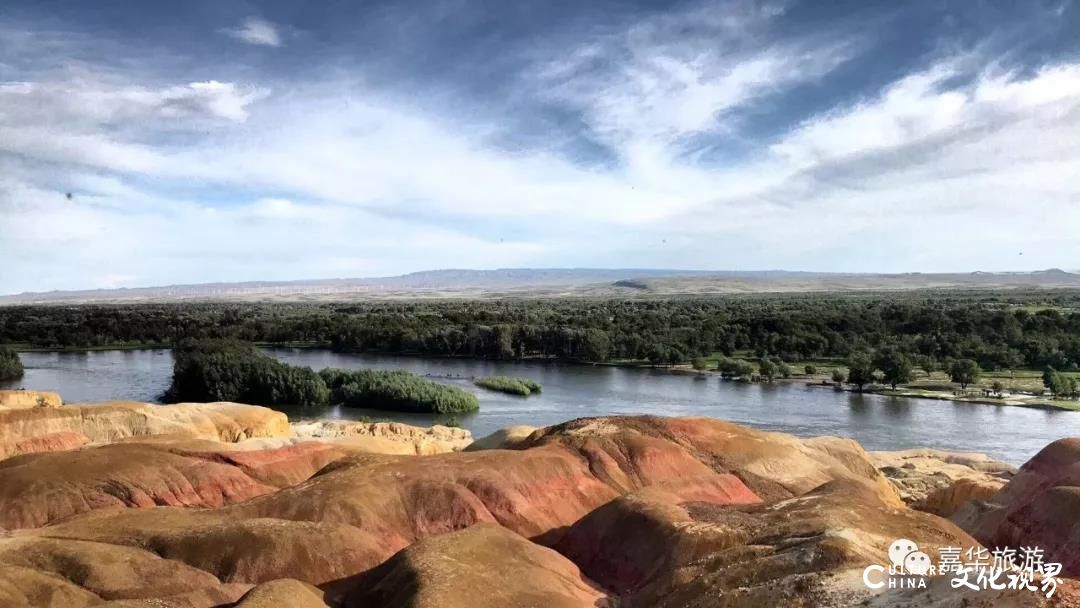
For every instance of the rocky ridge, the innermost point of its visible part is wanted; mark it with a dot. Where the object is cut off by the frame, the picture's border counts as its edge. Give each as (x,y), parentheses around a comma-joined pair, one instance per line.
(201,505)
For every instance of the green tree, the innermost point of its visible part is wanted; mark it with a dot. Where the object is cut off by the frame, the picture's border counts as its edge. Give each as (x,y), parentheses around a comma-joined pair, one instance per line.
(895,366)
(11,368)
(782,369)
(1074,388)
(997,387)
(926,363)
(744,369)
(229,370)
(504,341)
(964,372)
(1048,377)
(838,376)
(767,370)
(1061,385)
(809,370)
(860,370)
(723,364)
(700,364)
(657,354)
(595,345)
(735,368)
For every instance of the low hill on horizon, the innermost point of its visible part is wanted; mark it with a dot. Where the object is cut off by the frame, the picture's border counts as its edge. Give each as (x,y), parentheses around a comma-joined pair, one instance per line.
(555,282)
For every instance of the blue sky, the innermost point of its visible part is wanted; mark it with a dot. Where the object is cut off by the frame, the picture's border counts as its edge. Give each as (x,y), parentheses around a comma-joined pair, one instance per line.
(227,141)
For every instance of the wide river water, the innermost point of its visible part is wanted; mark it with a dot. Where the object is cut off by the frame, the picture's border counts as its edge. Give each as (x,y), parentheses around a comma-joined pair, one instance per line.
(879,422)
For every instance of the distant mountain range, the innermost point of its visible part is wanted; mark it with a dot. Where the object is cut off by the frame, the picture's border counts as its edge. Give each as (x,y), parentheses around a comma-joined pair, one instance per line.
(556,282)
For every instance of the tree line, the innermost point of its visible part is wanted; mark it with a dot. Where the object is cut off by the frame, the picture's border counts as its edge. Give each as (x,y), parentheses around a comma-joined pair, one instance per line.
(1004,330)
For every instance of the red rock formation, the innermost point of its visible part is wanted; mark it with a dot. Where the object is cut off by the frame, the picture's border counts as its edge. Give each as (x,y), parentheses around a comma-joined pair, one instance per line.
(660,512)
(37,489)
(666,548)
(279,467)
(1040,507)
(633,452)
(41,488)
(384,503)
(53,442)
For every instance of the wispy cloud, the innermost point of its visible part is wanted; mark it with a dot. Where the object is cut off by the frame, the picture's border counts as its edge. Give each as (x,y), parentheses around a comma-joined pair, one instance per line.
(256,31)
(661,80)
(950,162)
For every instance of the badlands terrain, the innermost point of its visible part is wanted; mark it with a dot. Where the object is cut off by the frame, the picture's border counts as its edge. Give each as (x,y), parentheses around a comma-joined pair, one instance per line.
(220,504)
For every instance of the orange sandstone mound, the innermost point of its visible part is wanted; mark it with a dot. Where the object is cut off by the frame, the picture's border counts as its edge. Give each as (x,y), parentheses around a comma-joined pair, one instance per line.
(1040,507)
(612,511)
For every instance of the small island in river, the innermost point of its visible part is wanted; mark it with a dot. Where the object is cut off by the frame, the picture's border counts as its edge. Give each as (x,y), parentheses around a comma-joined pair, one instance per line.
(508,384)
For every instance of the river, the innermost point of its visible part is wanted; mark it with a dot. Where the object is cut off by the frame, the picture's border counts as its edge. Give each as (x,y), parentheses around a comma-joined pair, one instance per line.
(878,422)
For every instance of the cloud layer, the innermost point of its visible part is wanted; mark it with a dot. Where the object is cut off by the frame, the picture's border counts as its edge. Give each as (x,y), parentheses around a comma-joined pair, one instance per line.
(717,135)
(256,31)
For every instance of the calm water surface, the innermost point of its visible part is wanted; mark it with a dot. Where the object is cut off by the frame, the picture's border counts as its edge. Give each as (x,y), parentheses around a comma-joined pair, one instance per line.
(878,422)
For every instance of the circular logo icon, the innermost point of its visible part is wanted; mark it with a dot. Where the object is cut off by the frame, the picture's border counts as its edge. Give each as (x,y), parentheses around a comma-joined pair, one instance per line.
(899,550)
(917,563)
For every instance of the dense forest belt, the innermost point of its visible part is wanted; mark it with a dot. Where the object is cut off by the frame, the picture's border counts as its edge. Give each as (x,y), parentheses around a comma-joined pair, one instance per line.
(1002,330)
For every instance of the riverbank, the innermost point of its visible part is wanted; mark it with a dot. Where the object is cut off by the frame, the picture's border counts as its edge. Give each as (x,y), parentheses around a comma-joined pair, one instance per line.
(1027,401)
(914,392)
(1019,387)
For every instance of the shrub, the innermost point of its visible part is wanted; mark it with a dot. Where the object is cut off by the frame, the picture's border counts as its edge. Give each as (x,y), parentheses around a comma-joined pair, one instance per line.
(396,390)
(11,368)
(964,372)
(735,367)
(228,370)
(507,384)
(838,376)
(810,370)
(783,369)
(1059,384)
(767,370)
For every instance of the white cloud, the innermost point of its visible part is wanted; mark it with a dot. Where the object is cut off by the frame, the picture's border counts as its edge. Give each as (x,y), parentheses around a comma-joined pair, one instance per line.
(654,83)
(256,31)
(99,100)
(945,168)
